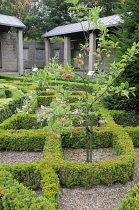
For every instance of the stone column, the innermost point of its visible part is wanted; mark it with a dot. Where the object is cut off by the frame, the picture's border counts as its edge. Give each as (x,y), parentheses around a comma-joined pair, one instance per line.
(47,51)
(92,45)
(67,50)
(20,51)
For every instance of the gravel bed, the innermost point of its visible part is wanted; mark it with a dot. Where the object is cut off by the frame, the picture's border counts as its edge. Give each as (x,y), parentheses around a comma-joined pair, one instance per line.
(19,157)
(99,197)
(77,155)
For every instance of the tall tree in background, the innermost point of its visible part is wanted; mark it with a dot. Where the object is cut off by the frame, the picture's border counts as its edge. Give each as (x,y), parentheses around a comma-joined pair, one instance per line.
(5,7)
(18,8)
(109,6)
(21,8)
(127,34)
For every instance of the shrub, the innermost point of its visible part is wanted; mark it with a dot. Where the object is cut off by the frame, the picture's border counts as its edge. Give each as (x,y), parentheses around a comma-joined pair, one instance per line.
(22,121)
(16,196)
(125,118)
(20,140)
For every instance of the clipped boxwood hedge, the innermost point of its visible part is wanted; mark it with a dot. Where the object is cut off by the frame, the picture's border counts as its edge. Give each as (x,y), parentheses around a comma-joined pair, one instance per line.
(44,100)
(125,118)
(20,140)
(134,134)
(9,104)
(26,173)
(22,121)
(102,138)
(75,86)
(15,196)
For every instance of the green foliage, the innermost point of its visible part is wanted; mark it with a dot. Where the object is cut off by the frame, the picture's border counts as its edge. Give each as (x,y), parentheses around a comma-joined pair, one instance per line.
(134,134)
(44,100)
(131,201)
(16,196)
(12,99)
(125,118)
(23,140)
(22,121)
(127,33)
(27,173)
(102,138)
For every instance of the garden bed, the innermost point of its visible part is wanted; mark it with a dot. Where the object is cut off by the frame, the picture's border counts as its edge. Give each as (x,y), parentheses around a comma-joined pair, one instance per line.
(13,157)
(77,155)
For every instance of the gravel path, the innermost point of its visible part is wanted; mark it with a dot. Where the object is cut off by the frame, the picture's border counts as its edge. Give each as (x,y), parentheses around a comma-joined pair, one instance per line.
(99,197)
(19,157)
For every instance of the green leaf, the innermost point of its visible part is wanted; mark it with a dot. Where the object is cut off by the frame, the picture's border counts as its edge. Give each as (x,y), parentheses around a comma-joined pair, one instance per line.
(75,1)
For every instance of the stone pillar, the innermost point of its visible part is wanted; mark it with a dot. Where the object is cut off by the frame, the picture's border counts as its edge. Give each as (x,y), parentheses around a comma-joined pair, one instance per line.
(67,50)
(47,51)
(92,45)
(20,51)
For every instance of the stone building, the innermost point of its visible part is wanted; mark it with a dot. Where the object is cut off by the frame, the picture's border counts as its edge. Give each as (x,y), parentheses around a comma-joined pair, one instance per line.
(11,45)
(73,35)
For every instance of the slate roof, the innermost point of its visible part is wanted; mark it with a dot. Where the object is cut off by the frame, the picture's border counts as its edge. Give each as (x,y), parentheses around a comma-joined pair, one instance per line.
(108,21)
(11,21)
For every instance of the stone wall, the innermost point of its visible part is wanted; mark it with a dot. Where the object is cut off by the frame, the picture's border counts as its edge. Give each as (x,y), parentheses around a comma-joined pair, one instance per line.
(34,54)
(8,52)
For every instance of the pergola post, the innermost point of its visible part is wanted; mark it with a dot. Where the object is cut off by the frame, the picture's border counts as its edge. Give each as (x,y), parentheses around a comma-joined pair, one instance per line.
(92,45)
(20,51)
(67,50)
(47,51)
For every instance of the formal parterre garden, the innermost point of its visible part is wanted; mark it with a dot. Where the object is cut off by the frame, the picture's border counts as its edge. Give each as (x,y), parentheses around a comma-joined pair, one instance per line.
(21,131)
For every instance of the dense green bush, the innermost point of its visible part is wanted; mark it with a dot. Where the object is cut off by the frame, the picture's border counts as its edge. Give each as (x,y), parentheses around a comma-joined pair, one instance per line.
(44,100)
(102,138)
(22,121)
(13,99)
(75,86)
(26,173)
(28,140)
(16,196)
(125,118)
(87,174)
(134,134)
(8,107)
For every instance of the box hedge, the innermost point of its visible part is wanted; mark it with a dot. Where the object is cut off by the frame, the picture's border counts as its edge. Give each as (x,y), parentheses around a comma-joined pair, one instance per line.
(102,138)
(22,121)
(125,118)
(9,104)
(134,134)
(26,173)
(23,140)
(15,196)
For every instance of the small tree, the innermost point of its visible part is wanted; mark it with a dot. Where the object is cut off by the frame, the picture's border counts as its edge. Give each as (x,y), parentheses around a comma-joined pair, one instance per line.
(61,114)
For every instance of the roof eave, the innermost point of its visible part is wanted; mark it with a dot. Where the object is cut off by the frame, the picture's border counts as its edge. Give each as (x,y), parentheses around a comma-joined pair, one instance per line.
(52,35)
